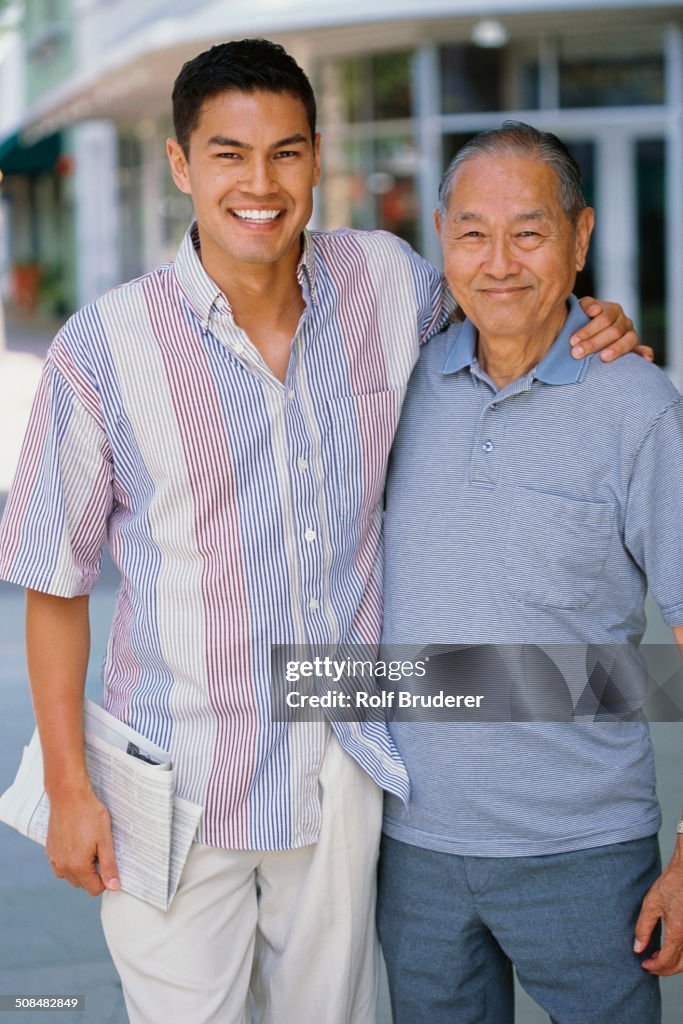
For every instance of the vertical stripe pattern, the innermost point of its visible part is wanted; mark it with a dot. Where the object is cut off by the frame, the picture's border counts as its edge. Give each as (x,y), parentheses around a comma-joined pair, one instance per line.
(240,511)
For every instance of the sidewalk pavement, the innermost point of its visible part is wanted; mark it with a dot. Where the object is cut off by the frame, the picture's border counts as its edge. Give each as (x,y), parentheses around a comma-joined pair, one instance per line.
(50,938)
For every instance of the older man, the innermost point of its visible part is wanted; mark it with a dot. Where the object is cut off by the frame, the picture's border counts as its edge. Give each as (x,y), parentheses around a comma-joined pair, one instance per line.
(530,499)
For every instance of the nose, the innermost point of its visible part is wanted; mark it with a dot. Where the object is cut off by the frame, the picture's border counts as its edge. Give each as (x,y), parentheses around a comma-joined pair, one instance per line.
(500,260)
(257,178)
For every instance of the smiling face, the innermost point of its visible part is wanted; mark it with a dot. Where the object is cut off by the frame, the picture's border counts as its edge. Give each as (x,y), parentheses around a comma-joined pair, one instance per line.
(510,251)
(250,169)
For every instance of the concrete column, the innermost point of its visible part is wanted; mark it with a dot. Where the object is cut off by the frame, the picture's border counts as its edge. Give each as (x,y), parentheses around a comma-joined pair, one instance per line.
(617,231)
(429,146)
(153,166)
(96,196)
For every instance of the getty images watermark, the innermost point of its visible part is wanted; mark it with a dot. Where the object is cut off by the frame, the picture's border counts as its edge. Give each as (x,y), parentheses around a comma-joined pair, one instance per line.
(325,669)
(478,683)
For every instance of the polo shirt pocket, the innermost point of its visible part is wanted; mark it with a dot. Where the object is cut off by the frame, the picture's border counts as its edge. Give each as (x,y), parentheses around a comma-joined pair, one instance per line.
(362,429)
(556,548)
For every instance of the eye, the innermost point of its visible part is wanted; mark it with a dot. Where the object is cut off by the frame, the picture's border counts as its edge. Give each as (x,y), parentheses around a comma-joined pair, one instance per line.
(285,153)
(229,156)
(472,234)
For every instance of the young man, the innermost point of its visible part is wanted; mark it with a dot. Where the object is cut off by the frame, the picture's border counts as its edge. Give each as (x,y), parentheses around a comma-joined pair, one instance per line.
(225,423)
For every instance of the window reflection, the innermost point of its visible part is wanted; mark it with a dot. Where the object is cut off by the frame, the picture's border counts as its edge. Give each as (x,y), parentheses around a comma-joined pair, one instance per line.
(471,78)
(377,87)
(611,71)
(374,187)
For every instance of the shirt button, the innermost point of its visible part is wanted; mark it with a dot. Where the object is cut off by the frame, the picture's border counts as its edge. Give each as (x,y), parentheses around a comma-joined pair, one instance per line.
(313,603)
(487,446)
(291,394)
(494,406)
(238,348)
(302,464)
(309,535)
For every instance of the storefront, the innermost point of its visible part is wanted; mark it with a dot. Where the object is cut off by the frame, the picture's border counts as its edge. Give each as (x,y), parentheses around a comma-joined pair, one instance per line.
(400,87)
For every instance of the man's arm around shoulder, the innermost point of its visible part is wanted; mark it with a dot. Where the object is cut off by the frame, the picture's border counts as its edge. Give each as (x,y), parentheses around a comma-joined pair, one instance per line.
(79,840)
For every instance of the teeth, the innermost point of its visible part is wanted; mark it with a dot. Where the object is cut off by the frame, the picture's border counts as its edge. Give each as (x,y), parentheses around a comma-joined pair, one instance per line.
(256,214)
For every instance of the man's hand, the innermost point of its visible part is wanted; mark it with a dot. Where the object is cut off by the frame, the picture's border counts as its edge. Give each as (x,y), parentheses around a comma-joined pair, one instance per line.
(79,841)
(80,846)
(610,333)
(665,901)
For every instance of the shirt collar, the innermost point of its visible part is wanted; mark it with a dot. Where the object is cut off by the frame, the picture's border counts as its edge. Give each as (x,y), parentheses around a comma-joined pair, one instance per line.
(202,292)
(558,366)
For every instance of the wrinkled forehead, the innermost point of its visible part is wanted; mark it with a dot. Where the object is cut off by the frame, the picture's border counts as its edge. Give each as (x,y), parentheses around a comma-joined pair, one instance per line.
(500,182)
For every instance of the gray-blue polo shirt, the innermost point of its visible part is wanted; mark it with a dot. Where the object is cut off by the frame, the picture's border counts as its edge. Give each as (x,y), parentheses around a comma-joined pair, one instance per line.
(534,514)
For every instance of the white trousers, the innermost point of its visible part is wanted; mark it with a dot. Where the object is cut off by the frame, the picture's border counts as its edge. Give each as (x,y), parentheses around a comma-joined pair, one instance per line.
(263,938)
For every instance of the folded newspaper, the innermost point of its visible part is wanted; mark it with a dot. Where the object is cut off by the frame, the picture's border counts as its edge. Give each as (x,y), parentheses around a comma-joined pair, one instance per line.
(153,828)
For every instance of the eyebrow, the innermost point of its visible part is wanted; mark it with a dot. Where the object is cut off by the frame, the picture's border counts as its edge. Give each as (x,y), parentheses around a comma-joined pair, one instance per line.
(467,215)
(223,140)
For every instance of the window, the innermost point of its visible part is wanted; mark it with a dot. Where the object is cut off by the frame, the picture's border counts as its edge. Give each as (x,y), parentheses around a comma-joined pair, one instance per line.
(611,71)
(651,190)
(472,79)
(377,87)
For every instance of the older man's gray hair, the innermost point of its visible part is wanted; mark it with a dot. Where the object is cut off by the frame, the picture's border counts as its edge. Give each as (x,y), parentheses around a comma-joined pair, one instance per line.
(514,138)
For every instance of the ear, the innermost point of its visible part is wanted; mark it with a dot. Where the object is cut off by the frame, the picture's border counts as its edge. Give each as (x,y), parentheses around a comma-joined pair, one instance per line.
(316,159)
(179,166)
(437,220)
(584,229)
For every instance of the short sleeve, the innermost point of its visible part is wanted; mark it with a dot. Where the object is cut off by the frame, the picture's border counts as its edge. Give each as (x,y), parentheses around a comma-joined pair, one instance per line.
(653,527)
(55,520)
(435,303)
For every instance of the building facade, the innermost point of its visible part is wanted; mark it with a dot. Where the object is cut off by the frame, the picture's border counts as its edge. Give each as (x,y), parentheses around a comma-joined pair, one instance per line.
(400,86)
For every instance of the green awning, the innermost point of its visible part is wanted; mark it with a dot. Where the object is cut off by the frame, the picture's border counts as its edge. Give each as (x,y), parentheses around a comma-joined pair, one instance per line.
(17,157)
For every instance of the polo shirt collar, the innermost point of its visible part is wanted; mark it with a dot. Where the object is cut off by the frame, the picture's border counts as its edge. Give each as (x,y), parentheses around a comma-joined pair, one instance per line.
(202,292)
(558,366)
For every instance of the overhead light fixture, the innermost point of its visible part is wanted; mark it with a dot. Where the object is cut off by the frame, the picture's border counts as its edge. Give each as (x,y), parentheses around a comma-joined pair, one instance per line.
(490,33)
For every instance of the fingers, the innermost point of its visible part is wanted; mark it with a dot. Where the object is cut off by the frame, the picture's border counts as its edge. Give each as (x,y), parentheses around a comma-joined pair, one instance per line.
(81,874)
(609,331)
(668,960)
(645,925)
(608,338)
(646,352)
(80,846)
(665,901)
(108,871)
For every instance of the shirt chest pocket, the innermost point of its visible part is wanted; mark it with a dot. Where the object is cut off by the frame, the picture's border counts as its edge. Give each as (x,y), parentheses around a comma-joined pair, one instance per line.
(361,430)
(556,548)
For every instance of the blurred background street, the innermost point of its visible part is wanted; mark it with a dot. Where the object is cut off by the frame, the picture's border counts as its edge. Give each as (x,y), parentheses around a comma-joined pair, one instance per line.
(86,201)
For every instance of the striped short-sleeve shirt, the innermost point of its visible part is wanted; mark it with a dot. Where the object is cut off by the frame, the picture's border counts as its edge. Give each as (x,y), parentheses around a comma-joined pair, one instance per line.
(240,511)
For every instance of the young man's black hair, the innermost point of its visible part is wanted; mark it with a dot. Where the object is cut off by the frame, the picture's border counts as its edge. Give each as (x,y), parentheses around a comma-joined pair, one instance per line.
(246,65)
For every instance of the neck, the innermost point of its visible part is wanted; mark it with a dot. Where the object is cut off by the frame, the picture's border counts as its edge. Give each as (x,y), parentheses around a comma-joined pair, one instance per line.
(507,357)
(505,360)
(263,296)
(262,290)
